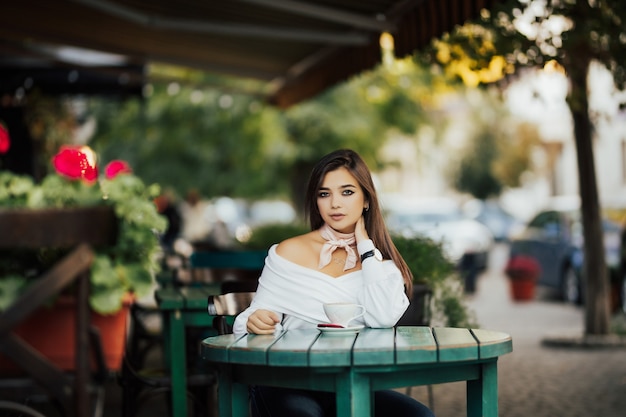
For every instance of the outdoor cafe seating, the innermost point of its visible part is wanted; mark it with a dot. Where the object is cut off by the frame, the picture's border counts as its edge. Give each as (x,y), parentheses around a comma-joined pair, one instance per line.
(208,278)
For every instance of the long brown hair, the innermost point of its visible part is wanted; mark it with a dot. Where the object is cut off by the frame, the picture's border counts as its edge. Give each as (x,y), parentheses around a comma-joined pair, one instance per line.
(374,222)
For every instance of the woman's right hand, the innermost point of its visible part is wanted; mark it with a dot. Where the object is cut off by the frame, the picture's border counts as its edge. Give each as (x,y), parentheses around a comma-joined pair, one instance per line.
(262,322)
(360,232)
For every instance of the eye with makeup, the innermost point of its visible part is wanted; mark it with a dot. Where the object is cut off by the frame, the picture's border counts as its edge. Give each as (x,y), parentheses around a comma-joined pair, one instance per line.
(323,194)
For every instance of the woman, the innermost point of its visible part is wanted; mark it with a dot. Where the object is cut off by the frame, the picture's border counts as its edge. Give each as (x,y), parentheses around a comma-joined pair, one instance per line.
(349,257)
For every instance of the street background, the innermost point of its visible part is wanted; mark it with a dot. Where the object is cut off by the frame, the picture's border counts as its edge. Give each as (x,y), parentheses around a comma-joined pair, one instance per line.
(536,380)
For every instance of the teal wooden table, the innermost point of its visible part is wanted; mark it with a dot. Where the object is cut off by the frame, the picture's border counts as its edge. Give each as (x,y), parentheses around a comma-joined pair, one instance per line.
(354,365)
(186,306)
(182,307)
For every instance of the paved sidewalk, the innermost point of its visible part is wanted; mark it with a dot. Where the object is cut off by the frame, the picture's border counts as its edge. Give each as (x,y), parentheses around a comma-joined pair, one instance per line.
(535,380)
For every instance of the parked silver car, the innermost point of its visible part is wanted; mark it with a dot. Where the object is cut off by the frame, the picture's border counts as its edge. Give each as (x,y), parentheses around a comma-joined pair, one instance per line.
(442,220)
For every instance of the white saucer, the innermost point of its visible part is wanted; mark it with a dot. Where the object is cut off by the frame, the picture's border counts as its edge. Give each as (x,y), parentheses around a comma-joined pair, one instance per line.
(340,330)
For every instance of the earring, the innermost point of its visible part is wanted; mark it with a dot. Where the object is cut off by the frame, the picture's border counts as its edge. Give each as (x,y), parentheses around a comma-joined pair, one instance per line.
(367,207)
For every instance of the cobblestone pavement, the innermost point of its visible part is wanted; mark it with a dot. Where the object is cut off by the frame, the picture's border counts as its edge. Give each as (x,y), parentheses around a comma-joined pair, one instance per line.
(535,380)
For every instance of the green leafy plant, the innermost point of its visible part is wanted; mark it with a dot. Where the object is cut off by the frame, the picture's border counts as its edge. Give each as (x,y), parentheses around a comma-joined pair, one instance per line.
(429,266)
(128,266)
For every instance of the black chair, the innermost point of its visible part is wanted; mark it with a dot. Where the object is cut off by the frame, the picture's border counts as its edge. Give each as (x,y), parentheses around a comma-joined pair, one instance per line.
(23,396)
(141,382)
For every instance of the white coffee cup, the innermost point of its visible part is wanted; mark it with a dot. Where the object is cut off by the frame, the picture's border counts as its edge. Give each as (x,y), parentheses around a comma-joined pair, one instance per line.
(343,313)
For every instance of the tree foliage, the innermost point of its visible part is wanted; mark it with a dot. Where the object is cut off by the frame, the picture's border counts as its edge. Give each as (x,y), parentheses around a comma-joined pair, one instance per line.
(474,173)
(231,144)
(497,153)
(339,118)
(573,34)
(220,144)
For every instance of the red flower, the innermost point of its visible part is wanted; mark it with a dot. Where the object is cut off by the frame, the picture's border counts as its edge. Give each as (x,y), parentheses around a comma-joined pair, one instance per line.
(5,140)
(117,167)
(72,163)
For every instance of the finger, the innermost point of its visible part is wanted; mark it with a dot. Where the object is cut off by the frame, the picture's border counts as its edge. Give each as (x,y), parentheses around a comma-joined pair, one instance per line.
(274,317)
(261,323)
(252,328)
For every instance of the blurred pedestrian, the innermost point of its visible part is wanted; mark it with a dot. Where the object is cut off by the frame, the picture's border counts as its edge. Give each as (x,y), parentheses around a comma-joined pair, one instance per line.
(196,213)
(166,206)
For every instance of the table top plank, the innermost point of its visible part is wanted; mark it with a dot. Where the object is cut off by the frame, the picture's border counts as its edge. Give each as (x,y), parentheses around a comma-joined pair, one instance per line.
(220,348)
(492,343)
(374,346)
(252,349)
(455,344)
(332,350)
(415,344)
(292,349)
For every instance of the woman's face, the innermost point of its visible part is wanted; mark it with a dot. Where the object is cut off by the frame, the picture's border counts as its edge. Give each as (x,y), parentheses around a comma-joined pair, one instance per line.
(340,200)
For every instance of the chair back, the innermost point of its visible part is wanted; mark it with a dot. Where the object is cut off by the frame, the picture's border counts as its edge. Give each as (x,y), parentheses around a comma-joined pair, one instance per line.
(226,266)
(226,307)
(248,260)
(238,272)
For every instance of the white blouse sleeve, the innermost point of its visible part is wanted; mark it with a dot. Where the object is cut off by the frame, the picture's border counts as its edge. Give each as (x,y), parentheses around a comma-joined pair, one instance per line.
(383,292)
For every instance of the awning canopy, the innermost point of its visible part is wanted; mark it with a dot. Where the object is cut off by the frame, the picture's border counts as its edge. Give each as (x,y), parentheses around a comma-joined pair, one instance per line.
(297,48)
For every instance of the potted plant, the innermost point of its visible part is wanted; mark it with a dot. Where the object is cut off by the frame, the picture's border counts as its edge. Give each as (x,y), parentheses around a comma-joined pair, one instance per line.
(523,272)
(437,287)
(121,270)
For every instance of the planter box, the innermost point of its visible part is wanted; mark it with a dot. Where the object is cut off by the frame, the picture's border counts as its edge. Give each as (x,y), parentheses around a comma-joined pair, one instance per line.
(26,228)
(52,331)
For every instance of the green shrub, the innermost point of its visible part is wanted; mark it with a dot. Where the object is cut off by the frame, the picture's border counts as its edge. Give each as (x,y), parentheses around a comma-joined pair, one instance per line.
(265,236)
(425,259)
(429,266)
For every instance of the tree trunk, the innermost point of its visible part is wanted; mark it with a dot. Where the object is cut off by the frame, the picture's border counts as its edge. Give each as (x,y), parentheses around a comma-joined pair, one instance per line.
(597,312)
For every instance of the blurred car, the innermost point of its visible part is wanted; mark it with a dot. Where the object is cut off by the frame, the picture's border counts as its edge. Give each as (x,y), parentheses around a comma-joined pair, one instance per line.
(442,220)
(501,223)
(554,237)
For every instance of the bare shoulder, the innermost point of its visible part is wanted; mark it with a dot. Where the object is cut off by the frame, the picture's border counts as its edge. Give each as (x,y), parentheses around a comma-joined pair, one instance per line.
(294,245)
(303,249)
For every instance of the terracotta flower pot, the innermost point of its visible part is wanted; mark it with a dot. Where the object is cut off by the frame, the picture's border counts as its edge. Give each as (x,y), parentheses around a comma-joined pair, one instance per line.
(523,272)
(522,289)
